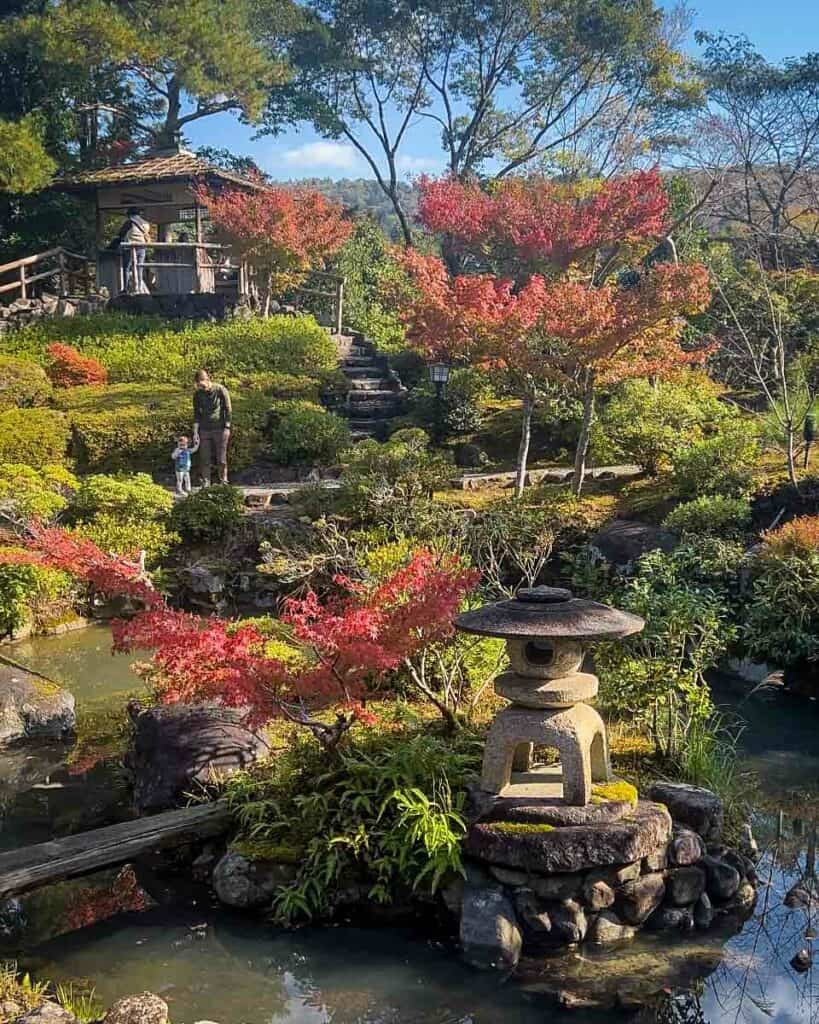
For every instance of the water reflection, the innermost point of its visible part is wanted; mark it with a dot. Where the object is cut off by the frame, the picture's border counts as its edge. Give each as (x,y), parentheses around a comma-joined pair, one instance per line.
(237,972)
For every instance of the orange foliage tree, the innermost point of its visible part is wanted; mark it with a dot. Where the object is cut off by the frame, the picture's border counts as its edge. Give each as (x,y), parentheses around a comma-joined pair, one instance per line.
(283,233)
(562,293)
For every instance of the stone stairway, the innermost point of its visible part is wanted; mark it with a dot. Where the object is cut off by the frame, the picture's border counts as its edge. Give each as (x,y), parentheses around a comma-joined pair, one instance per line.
(375,394)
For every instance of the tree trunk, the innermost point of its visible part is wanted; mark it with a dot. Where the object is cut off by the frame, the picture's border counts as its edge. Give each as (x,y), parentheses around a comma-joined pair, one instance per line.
(523,447)
(791,458)
(583,440)
(169,134)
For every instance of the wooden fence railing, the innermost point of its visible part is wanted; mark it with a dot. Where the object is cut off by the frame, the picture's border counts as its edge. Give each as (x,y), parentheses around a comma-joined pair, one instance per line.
(71,271)
(334,293)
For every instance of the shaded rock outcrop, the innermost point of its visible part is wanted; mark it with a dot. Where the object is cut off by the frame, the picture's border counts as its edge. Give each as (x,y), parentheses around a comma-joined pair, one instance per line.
(177,749)
(622,541)
(32,707)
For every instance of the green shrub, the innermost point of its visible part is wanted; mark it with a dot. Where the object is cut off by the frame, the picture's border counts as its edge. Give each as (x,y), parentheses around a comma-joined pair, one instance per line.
(389,810)
(721,464)
(34,437)
(209,514)
(782,620)
(152,350)
(128,427)
(383,483)
(29,493)
(462,409)
(127,499)
(23,384)
(648,424)
(302,433)
(27,592)
(125,536)
(686,597)
(711,514)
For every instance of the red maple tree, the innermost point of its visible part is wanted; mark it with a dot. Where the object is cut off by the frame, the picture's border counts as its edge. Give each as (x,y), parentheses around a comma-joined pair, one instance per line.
(282,233)
(68,368)
(548,305)
(350,642)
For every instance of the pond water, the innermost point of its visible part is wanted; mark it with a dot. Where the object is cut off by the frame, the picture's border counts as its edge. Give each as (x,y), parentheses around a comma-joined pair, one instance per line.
(210,965)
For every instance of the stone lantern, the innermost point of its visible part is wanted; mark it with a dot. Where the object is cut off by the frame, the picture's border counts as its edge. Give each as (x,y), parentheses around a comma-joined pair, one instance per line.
(547,631)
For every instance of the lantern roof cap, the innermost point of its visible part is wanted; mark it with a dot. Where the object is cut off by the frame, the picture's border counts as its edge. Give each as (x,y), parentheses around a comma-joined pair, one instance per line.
(538,612)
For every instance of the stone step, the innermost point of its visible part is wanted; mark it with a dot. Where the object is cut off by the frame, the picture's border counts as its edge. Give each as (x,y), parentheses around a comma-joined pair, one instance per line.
(369,384)
(364,360)
(374,411)
(356,397)
(361,372)
(360,350)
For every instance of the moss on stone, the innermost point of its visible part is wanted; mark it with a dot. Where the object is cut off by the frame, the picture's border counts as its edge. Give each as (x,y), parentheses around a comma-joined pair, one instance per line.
(258,849)
(522,828)
(614,792)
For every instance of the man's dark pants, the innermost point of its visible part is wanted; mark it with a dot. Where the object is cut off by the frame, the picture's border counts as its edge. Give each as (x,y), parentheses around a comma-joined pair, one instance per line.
(213,446)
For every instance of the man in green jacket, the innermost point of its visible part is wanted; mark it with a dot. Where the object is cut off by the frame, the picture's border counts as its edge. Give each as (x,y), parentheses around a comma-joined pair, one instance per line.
(211,425)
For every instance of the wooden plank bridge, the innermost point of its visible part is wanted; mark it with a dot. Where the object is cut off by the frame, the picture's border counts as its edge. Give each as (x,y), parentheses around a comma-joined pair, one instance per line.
(74,856)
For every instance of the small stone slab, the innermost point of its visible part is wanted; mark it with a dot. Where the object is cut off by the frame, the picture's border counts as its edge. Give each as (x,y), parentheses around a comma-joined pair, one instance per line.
(546,849)
(490,936)
(554,811)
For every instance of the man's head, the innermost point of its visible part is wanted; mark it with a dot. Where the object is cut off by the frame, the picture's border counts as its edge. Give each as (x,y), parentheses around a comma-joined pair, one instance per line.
(202,381)
(134,211)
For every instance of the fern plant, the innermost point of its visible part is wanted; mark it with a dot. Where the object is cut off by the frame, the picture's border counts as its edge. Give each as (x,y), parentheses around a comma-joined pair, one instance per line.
(385,814)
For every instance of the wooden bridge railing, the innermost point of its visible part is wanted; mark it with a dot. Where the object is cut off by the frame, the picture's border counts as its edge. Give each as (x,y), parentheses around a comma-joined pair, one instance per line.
(69,268)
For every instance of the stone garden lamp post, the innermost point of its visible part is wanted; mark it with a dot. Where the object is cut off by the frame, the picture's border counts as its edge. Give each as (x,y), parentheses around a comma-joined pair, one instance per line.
(547,631)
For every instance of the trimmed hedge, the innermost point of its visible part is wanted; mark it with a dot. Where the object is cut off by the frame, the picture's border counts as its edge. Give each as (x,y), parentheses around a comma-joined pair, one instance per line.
(34,437)
(134,427)
(23,384)
(149,349)
(303,433)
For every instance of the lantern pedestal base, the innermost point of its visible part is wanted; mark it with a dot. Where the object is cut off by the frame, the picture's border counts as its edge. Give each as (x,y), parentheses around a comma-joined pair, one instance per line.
(536,797)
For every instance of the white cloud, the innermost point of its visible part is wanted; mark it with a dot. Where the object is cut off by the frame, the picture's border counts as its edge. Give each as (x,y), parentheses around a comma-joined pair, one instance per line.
(323,153)
(417,164)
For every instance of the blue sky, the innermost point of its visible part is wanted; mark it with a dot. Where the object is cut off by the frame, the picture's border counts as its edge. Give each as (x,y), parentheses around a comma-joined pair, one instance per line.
(778,31)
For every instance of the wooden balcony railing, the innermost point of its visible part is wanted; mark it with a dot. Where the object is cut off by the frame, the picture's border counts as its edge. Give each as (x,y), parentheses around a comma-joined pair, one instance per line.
(71,271)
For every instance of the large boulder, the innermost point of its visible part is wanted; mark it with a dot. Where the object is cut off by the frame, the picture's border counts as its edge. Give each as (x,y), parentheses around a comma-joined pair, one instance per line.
(177,749)
(622,541)
(696,808)
(32,707)
(142,1009)
(490,935)
(243,883)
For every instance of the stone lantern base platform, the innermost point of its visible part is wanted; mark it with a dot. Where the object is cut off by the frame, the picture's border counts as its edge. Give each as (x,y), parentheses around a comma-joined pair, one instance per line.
(535,844)
(542,875)
(536,797)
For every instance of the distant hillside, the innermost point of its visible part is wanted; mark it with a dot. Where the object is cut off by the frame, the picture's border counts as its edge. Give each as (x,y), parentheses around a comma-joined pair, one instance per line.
(365,195)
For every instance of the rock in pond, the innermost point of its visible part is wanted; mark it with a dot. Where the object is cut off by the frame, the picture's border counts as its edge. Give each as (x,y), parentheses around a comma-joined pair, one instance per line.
(607,928)
(490,936)
(243,883)
(686,847)
(723,879)
(637,899)
(699,809)
(142,1009)
(177,749)
(32,707)
(684,886)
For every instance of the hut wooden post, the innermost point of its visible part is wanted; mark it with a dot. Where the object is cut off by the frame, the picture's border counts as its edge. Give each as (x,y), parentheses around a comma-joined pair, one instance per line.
(339,305)
(197,212)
